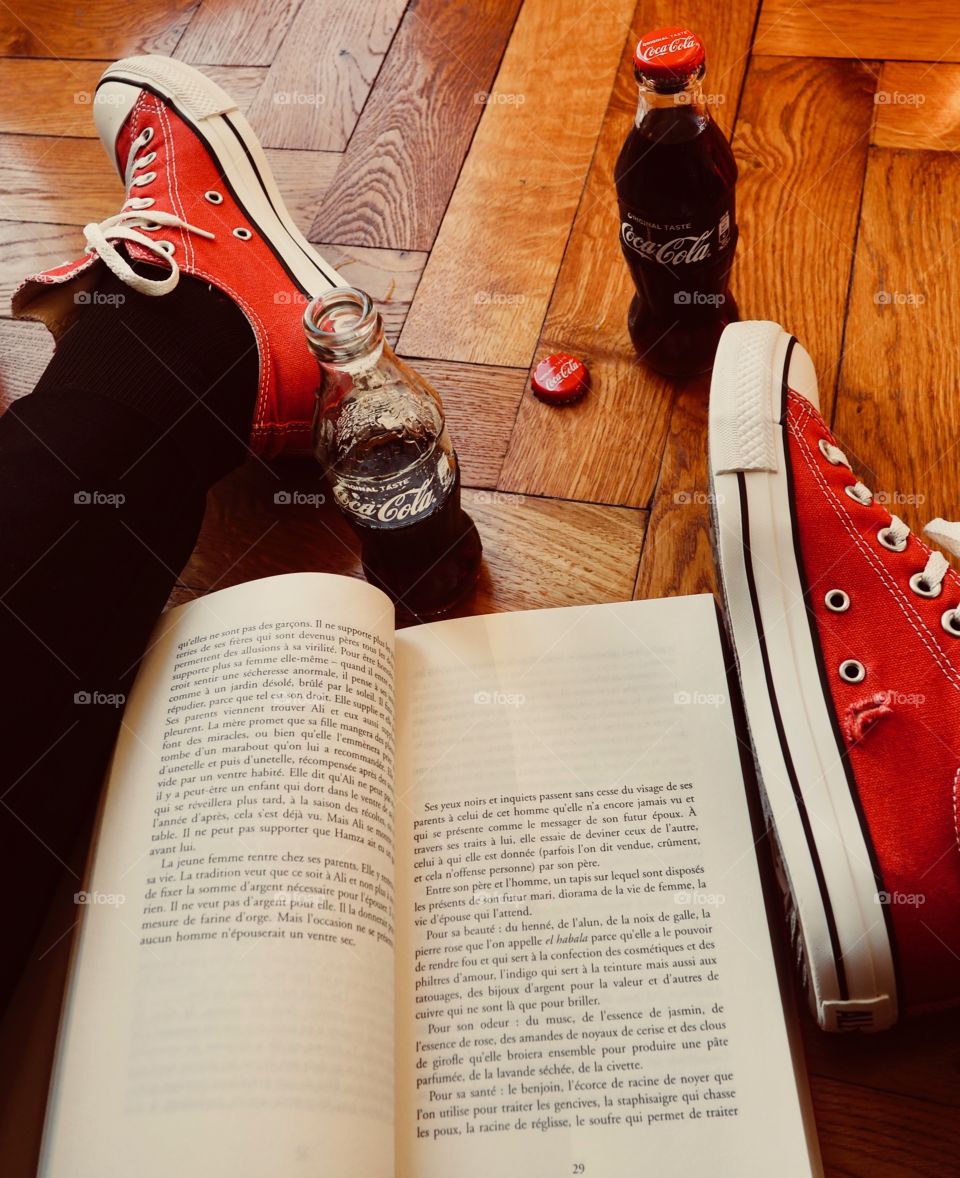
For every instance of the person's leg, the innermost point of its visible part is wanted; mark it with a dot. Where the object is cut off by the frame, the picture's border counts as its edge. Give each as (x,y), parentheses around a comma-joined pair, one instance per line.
(104,470)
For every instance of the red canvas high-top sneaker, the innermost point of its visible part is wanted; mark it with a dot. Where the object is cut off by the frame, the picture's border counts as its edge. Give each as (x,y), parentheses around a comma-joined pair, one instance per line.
(200,200)
(847,636)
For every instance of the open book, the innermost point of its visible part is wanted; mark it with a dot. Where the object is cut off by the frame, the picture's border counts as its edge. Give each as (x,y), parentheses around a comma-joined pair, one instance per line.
(513,927)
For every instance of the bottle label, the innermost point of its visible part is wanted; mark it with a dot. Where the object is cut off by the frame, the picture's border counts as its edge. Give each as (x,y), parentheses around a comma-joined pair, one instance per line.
(395,503)
(675,245)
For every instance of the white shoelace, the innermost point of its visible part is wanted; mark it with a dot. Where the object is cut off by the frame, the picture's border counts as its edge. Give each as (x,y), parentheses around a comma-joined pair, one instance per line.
(944,532)
(129,223)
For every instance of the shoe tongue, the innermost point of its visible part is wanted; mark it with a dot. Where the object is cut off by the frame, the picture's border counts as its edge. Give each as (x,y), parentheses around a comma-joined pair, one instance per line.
(945,533)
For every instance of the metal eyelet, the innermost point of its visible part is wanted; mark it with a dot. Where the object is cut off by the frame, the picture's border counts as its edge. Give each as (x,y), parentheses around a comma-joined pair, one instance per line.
(144,179)
(243,234)
(852,494)
(852,672)
(822,447)
(166,247)
(214,197)
(146,135)
(150,227)
(951,622)
(836,601)
(147,159)
(892,545)
(923,588)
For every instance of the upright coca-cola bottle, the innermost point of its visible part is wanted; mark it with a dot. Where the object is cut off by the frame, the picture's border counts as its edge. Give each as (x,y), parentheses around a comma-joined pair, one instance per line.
(675,179)
(380,435)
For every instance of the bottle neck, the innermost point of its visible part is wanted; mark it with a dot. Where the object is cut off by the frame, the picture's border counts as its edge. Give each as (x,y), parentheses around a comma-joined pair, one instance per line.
(674,117)
(344,330)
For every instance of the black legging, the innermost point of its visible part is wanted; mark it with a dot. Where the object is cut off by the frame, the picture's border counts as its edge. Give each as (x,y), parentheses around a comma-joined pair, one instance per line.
(104,470)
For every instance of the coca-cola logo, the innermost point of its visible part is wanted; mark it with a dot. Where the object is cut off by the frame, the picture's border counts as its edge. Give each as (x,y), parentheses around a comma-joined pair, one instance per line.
(678,251)
(403,507)
(567,368)
(651,52)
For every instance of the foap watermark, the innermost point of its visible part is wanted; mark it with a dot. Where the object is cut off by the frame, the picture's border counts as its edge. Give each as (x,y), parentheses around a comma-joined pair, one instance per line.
(685,98)
(498,298)
(898,499)
(299,498)
(904,899)
(102,699)
(698,298)
(498,498)
(500,699)
(299,98)
(696,498)
(899,298)
(899,98)
(289,298)
(106,97)
(904,699)
(708,899)
(107,899)
(99,298)
(99,498)
(699,699)
(499,98)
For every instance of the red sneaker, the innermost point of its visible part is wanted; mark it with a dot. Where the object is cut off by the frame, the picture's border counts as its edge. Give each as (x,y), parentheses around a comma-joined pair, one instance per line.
(847,637)
(201,200)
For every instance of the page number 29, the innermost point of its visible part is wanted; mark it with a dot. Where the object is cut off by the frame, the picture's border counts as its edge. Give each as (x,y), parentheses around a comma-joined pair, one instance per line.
(579,1168)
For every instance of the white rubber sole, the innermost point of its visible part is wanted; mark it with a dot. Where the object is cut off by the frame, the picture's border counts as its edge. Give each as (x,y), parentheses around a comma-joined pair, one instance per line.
(230,139)
(826,864)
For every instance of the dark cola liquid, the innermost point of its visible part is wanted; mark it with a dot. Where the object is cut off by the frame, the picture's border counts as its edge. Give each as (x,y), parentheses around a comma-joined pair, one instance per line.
(675,179)
(428,566)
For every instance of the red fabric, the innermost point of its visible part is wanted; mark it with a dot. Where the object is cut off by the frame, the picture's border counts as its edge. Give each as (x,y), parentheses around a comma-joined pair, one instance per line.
(247,271)
(904,748)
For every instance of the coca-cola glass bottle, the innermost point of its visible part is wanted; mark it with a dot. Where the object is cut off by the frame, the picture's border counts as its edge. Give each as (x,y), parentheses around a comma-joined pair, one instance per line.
(380,436)
(675,179)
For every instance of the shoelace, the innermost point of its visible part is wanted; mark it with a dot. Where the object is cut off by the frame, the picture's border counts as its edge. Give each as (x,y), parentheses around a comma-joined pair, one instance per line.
(129,223)
(945,533)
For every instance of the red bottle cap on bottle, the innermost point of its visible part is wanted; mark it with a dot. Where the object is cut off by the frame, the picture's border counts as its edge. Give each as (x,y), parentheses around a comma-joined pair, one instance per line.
(560,378)
(668,55)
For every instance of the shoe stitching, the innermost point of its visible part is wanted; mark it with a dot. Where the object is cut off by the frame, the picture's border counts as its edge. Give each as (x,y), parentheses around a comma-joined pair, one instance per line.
(171,170)
(956,803)
(939,655)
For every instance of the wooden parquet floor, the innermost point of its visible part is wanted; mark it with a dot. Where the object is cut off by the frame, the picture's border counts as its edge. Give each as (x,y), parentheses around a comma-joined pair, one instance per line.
(487,230)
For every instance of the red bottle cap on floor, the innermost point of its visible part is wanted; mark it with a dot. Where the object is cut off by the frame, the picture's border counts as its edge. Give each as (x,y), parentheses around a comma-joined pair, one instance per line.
(668,55)
(560,378)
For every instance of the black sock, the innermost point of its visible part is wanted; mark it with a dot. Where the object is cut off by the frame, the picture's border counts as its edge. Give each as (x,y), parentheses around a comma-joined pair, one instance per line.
(187,361)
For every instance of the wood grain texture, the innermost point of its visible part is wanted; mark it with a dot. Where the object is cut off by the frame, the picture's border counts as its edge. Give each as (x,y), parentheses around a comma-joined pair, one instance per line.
(918,106)
(25,350)
(389,276)
(45,28)
(898,414)
(406,152)
(71,182)
(608,448)
(322,73)
(542,552)
(481,406)
(678,557)
(55,97)
(26,247)
(865,1133)
(923,30)
(487,284)
(237,32)
(798,197)
(537,552)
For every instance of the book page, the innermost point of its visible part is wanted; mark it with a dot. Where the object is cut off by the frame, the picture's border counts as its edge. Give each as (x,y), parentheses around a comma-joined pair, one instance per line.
(584,969)
(231,1011)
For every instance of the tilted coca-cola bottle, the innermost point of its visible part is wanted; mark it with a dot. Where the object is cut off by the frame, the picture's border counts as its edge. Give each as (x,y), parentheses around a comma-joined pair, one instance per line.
(675,179)
(380,435)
